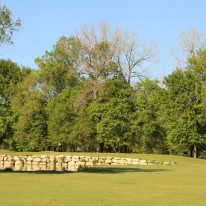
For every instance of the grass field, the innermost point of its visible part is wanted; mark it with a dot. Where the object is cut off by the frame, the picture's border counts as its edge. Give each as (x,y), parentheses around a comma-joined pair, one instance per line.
(170,185)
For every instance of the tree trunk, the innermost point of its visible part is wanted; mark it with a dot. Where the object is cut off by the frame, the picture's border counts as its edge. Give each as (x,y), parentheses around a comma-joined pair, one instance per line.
(95,93)
(100,147)
(95,89)
(191,151)
(195,151)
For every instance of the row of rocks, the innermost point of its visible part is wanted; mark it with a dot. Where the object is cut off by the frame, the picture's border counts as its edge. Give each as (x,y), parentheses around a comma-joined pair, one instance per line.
(66,162)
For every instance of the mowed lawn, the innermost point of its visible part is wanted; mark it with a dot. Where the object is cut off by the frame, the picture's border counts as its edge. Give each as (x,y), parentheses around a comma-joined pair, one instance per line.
(171,185)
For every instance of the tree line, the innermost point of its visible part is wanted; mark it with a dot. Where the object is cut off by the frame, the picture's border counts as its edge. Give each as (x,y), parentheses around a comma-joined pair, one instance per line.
(88,95)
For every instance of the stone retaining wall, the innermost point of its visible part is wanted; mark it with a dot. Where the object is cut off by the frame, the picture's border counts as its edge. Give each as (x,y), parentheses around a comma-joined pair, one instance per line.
(66,162)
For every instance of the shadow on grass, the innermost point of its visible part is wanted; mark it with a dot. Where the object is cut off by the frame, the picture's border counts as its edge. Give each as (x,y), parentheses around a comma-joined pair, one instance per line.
(97,170)
(116,170)
(36,172)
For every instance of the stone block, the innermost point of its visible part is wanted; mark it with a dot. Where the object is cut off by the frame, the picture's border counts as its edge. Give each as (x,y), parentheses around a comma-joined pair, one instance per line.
(52,159)
(29,158)
(72,168)
(80,163)
(143,162)
(75,157)
(68,158)
(43,156)
(60,158)
(86,158)
(8,164)
(89,164)
(35,163)
(44,160)
(9,158)
(29,167)
(18,167)
(36,167)
(18,162)
(122,162)
(51,166)
(28,163)
(71,163)
(64,165)
(108,161)
(102,161)
(43,167)
(5,158)
(129,160)
(37,159)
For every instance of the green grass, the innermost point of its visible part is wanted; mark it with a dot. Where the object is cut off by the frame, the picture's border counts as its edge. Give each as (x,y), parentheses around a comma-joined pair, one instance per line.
(177,185)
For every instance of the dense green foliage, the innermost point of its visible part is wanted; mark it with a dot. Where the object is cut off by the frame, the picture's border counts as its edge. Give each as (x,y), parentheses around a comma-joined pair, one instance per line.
(10,75)
(186,106)
(86,96)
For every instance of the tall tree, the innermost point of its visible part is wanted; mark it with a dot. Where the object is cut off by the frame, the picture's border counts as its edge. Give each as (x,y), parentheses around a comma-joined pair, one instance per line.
(10,75)
(190,42)
(60,118)
(58,68)
(28,106)
(70,127)
(7,25)
(83,132)
(149,135)
(97,49)
(105,53)
(111,113)
(132,55)
(187,103)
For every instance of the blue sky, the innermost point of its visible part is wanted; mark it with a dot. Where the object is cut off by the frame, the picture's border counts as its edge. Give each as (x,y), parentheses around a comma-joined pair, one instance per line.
(44,21)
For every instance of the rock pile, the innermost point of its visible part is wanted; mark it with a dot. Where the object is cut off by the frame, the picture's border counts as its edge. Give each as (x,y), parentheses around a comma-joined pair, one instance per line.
(66,162)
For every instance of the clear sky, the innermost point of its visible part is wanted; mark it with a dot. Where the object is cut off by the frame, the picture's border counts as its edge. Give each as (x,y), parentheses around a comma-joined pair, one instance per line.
(44,21)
